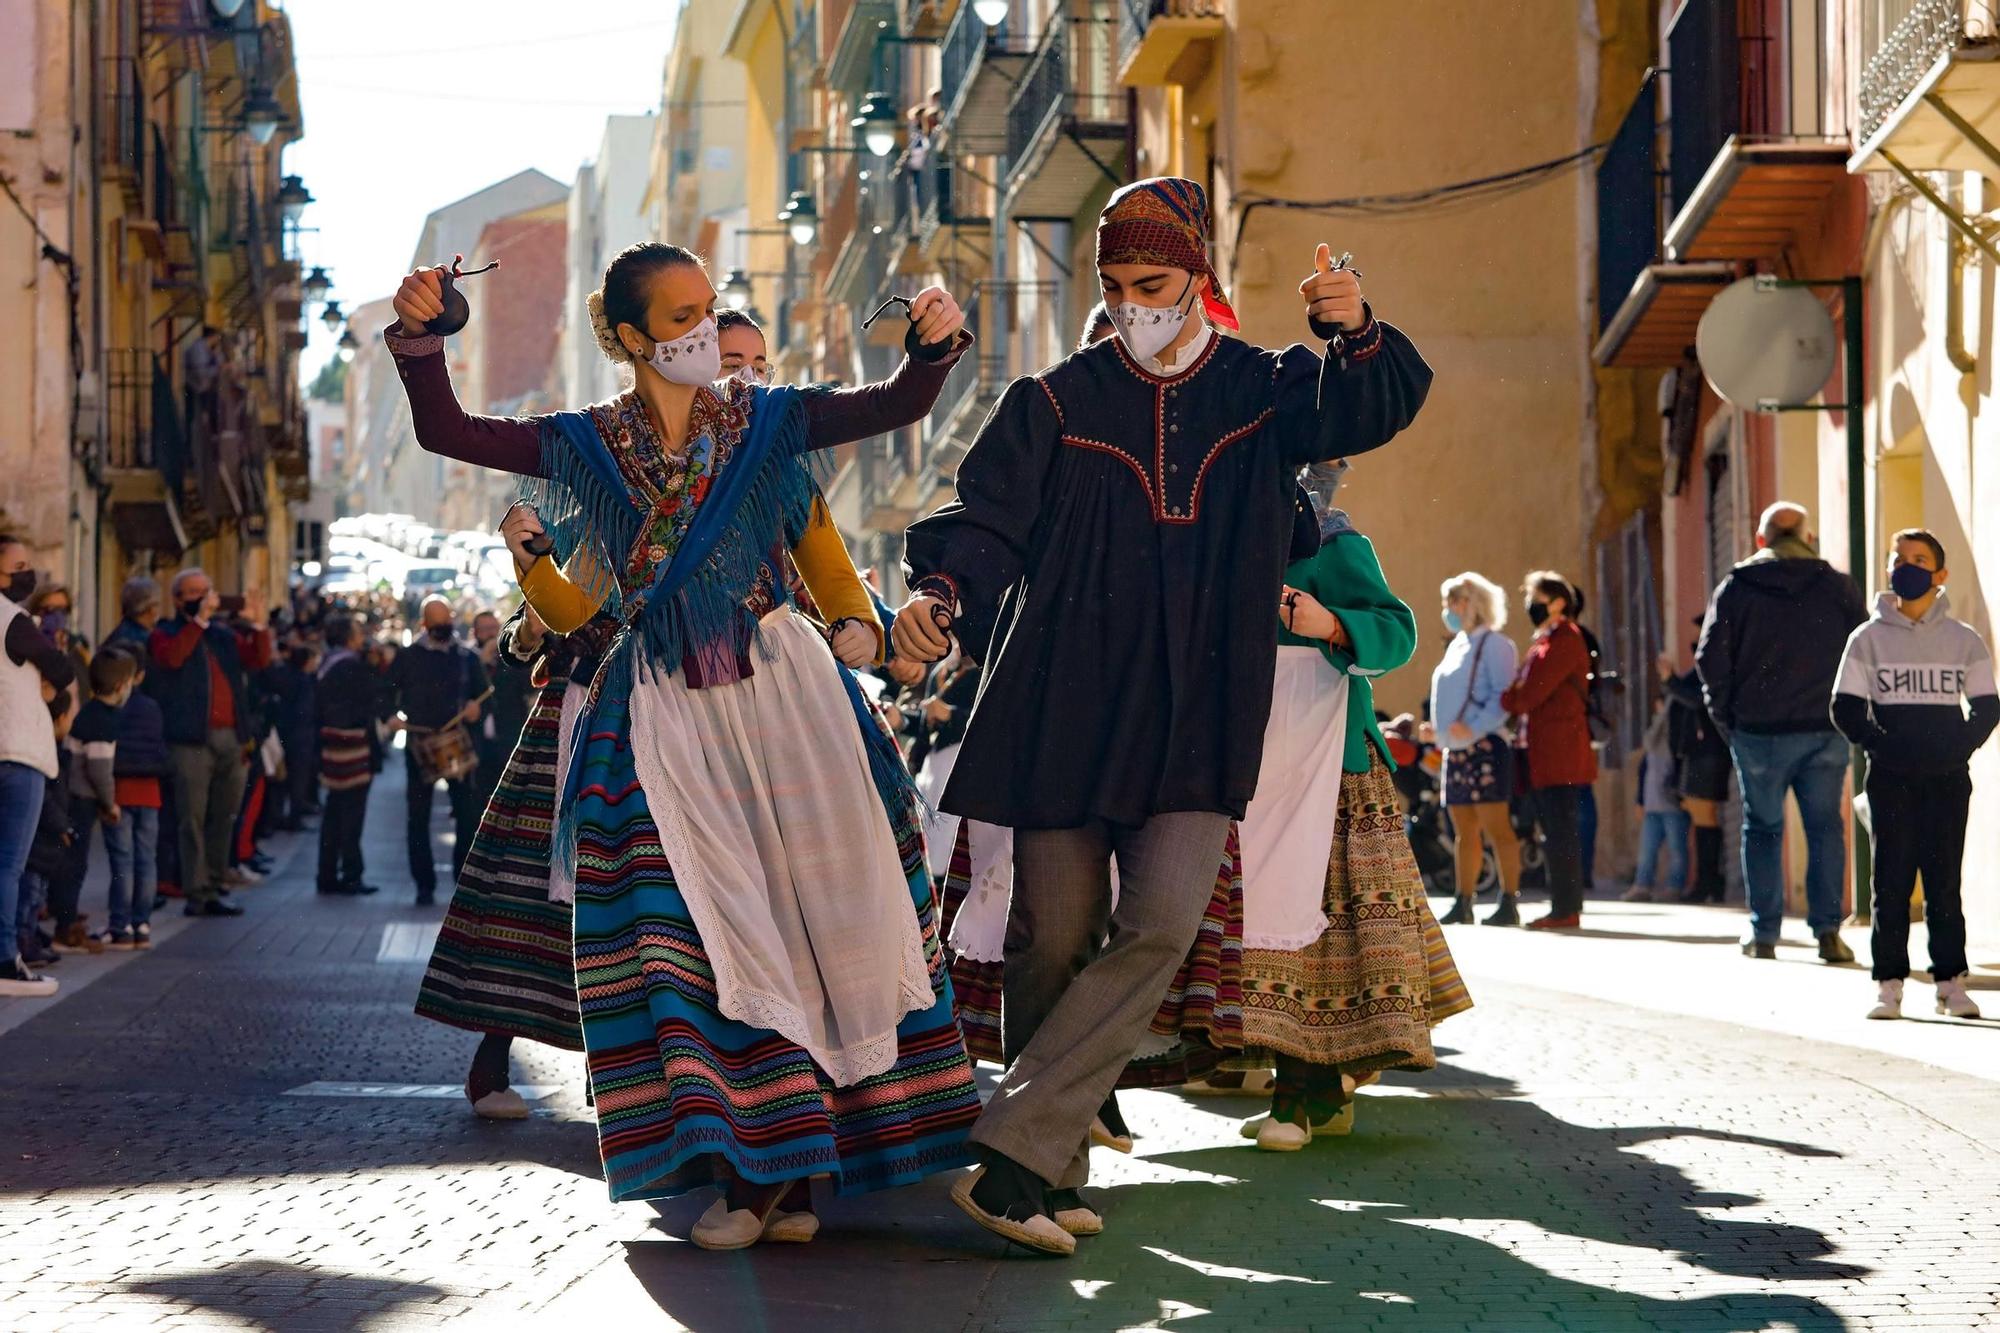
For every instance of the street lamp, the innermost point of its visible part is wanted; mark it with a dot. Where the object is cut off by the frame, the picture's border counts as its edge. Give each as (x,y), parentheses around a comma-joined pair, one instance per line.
(877,120)
(992,13)
(317,286)
(345,348)
(735,289)
(225,8)
(293,196)
(332,318)
(262,115)
(801,218)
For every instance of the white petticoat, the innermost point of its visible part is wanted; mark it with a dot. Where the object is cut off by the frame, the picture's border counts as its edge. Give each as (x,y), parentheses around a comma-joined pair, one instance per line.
(1287,833)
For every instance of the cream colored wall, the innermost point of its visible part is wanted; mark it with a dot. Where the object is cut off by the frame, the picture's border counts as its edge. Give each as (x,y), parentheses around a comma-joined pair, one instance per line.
(1930,428)
(1495,475)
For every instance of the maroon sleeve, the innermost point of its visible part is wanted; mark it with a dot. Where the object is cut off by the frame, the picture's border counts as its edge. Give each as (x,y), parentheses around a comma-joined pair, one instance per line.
(1564,657)
(509,444)
(846,415)
(255,649)
(173,650)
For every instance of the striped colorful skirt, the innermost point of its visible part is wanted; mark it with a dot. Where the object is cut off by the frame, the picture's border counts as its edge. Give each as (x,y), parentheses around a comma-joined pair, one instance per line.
(503,962)
(1365,995)
(344,758)
(1200,1019)
(686,1097)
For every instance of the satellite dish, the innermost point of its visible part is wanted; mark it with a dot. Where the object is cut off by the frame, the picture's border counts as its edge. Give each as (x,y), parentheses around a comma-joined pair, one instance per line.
(1762,345)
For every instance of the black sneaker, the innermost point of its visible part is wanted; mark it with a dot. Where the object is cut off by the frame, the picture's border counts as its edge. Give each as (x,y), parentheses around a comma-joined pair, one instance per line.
(214,907)
(1459,915)
(1508,913)
(359,889)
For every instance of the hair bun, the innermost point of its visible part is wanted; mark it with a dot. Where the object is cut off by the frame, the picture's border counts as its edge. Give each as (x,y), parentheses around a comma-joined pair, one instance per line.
(607,338)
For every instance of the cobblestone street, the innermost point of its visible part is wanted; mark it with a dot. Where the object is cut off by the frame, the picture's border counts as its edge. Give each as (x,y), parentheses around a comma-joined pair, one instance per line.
(1636,1128)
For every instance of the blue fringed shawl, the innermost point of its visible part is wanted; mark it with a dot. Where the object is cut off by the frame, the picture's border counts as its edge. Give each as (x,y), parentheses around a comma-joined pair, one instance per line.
(762,495)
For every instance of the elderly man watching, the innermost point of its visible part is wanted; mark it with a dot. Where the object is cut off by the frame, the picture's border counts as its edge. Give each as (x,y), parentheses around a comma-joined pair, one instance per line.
(1770,649)
(139,605)
(200,677)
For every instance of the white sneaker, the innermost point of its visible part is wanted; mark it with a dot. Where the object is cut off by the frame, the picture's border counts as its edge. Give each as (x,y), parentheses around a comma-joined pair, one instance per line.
(1952,999)
(1888,1000)
(18,980)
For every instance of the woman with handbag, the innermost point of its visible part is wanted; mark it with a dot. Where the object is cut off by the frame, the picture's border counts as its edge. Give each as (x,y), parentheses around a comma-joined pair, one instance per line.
(1471,725)
(1551,696)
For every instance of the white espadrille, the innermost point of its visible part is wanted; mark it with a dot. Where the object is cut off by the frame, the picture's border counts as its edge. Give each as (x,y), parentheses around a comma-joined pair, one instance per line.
(1039,1233)
(1282,1135)
(506,1104)
(722,1228)
(791,1228)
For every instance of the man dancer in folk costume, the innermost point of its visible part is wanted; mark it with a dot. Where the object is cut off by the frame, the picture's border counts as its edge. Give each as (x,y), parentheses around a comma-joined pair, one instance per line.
(1140,494)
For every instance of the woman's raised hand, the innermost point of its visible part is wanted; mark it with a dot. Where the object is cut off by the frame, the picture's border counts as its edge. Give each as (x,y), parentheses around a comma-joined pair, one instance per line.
(936,314)
(522,530)
(854,643)
(419,300)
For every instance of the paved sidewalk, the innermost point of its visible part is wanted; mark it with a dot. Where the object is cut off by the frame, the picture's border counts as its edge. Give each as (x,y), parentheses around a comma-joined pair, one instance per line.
(1631,1131)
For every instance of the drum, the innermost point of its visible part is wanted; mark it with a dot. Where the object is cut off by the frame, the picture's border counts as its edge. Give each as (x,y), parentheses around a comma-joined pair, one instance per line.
(445,753)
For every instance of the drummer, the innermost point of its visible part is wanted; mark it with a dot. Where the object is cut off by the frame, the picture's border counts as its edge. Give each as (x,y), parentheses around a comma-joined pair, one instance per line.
(435,683)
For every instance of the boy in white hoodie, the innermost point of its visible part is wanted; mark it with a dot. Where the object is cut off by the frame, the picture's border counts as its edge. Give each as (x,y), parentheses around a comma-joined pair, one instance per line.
(1916,691)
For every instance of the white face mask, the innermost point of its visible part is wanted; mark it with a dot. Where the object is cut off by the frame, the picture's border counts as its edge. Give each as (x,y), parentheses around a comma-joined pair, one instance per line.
(693,358)
(1147,329)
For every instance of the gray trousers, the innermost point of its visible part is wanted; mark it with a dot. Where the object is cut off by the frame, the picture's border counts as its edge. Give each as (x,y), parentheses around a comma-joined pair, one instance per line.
(208,784)
(1073,1015)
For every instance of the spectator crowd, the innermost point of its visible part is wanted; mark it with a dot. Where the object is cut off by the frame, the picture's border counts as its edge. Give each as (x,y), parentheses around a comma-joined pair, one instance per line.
(203,724)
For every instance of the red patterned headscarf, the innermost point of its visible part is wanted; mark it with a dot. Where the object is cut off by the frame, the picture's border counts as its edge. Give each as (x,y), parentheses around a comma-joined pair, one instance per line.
(1164,221)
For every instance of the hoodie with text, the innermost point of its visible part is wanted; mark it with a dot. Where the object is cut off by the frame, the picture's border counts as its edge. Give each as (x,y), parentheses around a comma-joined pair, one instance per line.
(1918,695)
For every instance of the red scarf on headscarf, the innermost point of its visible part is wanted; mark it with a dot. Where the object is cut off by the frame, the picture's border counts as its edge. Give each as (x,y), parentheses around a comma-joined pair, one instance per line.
(1163,221)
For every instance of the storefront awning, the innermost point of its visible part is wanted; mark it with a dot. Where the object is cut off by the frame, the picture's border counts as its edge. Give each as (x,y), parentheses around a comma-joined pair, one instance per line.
(1756,199)
(1656,321)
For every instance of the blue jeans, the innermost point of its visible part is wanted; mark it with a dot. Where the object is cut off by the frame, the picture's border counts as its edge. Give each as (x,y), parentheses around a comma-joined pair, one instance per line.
(21,791)
(130,845)
(1812,765)
(1663,831)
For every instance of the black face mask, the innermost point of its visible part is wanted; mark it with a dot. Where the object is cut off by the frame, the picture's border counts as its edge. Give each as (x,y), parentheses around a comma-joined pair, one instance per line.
(20,585)
(1538,614)
(192,607)
(440,633)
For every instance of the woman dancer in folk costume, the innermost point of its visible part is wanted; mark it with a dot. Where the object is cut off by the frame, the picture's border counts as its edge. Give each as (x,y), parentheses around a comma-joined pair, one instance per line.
(1140,491)
(1345,970)
(761,995)
(502,966)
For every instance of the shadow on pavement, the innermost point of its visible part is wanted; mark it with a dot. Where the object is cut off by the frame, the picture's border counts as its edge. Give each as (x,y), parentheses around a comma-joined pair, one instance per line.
(1446,1213)
(284,1297)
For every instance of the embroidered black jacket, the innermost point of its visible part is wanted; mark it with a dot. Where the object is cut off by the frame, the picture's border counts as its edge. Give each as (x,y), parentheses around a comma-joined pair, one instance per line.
(1138,530)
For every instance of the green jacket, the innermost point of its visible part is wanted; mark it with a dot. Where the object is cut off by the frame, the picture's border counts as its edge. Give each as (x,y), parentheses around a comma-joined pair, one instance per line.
(1347,579)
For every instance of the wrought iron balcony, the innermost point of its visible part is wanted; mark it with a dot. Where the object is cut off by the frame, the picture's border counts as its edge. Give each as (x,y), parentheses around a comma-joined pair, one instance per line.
(924,18)
(855,62)
(1066,128)
(1166,41)
(1001,313)
(978,68)
(1928,98)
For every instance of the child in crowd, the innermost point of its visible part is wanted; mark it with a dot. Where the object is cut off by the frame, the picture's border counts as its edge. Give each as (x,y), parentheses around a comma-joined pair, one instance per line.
(138,769)
(47,852)
(92,793)
(1916,691)
(1663,824)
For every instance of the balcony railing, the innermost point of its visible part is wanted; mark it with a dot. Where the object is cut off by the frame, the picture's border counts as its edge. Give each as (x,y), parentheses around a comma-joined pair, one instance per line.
(1901,40)
(122,124)
(997,311)
(1136,16)
(1072,77)
(1628,202)
(128,402)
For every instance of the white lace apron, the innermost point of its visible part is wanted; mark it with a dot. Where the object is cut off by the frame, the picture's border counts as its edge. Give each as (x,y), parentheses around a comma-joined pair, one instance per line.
(1287,833)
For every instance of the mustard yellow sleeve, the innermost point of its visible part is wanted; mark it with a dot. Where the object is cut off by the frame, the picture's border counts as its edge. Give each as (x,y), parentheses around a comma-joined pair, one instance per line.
(830,576)
(565,599)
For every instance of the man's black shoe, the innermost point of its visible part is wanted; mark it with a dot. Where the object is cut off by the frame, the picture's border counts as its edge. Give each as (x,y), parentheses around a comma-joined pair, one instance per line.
(260,863)
(1766,949)
(359,889)
(1508,913)
(425,897)
(214,907)
(1833,949)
